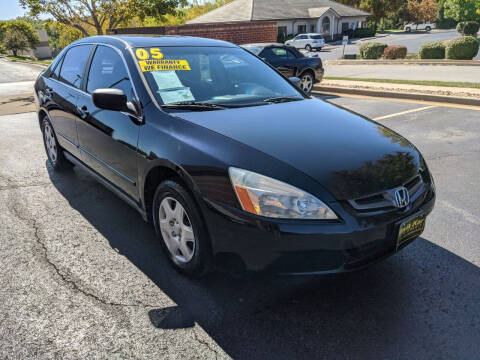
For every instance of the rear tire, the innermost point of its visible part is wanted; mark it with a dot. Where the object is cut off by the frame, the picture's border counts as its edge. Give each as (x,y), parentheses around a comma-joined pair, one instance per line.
(180,228)
(55,155)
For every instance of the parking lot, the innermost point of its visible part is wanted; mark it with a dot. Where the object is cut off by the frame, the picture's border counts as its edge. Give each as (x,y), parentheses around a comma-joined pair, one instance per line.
(84,277)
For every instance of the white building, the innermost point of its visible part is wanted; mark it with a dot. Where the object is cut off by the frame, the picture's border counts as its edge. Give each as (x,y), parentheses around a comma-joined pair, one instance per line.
(326,17)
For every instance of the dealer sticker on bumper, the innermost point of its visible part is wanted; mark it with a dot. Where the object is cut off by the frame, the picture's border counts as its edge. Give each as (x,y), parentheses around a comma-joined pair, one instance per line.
(411,228)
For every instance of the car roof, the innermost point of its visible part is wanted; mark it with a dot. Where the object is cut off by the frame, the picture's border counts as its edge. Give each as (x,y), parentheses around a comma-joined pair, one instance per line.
(141,40)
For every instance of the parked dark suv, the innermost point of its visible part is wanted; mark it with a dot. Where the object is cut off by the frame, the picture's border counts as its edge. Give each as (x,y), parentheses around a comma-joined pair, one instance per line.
(231,162)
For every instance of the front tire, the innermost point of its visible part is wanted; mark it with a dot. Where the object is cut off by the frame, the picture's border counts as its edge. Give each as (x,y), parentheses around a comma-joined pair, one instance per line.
(428,28)
(308,47)
(408,29)
(179,226)
(52,148)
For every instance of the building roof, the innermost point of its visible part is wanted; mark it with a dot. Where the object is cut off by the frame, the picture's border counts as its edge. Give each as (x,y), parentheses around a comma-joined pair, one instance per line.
(248,10)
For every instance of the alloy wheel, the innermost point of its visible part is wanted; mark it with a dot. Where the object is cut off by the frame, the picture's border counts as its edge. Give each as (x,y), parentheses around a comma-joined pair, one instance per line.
(306,83)
(176,229)
(50,142)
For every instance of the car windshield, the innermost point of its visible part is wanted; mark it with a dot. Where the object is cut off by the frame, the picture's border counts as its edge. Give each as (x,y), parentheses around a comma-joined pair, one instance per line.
(211,75)
(316,37)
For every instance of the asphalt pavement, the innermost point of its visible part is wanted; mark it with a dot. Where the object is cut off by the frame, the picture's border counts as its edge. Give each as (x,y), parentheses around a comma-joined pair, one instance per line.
(83,277)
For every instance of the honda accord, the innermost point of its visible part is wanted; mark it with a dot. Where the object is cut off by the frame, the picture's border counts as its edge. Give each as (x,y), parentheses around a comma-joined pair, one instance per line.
(229,160)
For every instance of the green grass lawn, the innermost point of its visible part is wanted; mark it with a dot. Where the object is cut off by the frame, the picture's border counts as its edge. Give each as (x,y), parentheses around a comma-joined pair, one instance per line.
(411,82)
(24,58)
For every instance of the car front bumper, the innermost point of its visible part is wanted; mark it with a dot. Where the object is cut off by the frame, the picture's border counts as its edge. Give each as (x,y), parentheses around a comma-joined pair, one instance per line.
(247,242)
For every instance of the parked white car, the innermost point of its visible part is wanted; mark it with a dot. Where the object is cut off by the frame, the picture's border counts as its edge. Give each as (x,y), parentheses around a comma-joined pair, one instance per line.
(308,42)
(426,25)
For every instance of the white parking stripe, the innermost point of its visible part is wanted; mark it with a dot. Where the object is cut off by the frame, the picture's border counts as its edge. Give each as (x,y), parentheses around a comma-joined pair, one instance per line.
(403,112)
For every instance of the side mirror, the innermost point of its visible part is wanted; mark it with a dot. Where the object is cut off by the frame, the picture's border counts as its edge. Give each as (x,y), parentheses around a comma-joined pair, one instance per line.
(294,80)
(114,100)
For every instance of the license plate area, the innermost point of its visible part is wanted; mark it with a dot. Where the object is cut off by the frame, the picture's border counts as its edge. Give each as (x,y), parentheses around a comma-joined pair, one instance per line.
(410,228)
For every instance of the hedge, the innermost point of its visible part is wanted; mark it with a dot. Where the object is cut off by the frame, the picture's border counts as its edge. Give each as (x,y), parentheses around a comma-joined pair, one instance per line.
(462,48)
(364,32)
(372,50)
(395,52)
(468,28)
(432,50)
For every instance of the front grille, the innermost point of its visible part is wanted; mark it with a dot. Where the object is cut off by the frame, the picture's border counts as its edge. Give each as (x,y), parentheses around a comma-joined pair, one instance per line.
(382,201)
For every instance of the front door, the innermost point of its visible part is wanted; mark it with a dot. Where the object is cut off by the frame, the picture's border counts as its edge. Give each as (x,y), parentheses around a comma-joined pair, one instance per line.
(282,59)
(108,139)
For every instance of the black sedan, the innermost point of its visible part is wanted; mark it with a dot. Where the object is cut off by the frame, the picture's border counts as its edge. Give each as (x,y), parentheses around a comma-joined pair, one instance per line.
(290,62)
(233,164)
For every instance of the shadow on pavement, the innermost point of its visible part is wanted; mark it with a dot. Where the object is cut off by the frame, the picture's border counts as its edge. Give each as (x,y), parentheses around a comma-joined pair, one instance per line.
(422,303)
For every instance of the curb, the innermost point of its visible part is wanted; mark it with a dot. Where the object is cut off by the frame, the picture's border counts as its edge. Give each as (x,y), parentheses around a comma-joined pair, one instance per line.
(397,95)
(405,62)
(43,66)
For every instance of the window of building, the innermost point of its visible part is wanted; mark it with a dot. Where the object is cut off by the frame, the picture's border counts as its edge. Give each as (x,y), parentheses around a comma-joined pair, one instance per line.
(282,31)
(302,29)
(312,28)
(326,26)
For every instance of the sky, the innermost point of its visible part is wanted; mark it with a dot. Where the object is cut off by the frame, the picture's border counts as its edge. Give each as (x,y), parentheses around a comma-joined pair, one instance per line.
(10,9)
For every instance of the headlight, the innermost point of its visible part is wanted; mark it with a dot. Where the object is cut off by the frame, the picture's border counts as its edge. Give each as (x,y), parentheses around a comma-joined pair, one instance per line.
(264,196)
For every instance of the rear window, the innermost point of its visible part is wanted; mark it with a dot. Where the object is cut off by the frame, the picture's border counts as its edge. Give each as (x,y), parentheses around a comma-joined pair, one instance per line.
(316,37)
(254,49)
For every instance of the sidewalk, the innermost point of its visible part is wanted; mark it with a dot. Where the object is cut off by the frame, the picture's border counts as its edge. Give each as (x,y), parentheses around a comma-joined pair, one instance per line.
(406,72)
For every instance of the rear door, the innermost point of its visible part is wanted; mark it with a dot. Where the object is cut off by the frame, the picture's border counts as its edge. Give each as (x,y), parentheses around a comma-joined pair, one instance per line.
(63,89)
(108,139)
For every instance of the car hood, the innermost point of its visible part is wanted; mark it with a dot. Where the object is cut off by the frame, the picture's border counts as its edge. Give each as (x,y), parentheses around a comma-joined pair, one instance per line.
(349,155)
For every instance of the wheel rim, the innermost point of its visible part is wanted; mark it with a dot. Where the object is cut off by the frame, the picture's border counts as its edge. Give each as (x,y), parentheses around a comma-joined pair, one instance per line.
(50,142)
(306,83)
(308,48)
(176,229)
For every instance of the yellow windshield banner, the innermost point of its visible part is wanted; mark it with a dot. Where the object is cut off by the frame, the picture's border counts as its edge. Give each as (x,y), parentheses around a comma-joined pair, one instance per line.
(164,65)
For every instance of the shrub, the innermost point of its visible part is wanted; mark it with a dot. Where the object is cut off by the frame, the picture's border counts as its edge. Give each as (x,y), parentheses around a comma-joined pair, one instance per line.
(432,50)
(468,28)
(395,52)
(462,48)
(372,50)
(364,32)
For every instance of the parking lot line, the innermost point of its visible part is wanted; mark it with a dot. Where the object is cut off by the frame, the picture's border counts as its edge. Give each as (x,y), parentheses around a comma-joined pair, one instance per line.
(403,112)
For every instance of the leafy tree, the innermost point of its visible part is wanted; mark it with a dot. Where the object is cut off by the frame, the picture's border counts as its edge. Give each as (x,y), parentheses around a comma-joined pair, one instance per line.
(60,35)
(99,15)
(15,41)
(23,27)
(422,11)
(380,9)
(463,10)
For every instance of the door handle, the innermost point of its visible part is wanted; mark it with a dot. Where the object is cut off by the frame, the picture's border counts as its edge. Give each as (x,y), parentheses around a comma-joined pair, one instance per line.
(83,112)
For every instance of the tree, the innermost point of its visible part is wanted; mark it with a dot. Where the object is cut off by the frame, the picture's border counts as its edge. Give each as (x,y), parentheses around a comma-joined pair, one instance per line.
(60,35)
(99,15)
(463,10)
(380,8)
(15,41)
(422,11)
(17,35)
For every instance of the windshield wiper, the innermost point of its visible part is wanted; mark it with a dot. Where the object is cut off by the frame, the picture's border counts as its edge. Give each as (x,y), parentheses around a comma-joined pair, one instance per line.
(193,105)
(282,99)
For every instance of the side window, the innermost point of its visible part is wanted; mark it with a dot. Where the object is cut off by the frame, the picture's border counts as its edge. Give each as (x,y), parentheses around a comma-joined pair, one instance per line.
(290,55)
(273,54)
(108,71)
(74,65)
(56,71)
